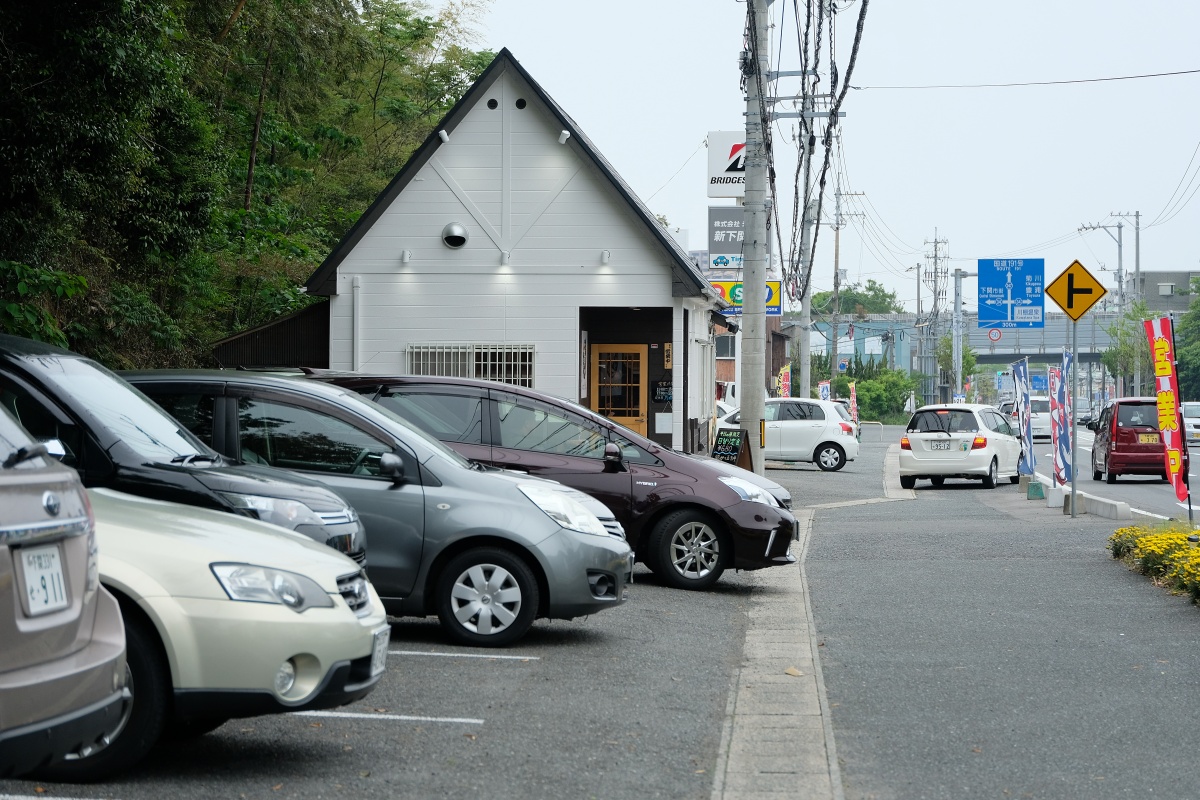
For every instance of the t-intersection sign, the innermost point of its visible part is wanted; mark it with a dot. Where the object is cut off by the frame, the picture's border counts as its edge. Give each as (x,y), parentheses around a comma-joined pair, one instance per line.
(1010,292)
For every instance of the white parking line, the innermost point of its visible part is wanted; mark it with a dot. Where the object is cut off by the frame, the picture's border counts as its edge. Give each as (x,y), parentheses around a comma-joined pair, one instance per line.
(399,717)
(38,797)
(461,655)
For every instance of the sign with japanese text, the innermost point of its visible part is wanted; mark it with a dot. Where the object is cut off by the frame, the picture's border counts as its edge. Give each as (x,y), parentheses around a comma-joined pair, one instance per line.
(726,235)
(1010,292)
(1166,389)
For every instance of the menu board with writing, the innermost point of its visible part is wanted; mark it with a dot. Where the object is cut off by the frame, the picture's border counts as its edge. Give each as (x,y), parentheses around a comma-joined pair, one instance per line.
(733,447)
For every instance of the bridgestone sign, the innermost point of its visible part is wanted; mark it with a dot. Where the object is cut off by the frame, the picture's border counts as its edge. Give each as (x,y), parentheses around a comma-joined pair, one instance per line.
(726,163)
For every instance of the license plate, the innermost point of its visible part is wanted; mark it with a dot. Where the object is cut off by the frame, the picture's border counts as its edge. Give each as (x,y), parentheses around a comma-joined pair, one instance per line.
(944,445)
(380,652)
(1148,438)
(42,567)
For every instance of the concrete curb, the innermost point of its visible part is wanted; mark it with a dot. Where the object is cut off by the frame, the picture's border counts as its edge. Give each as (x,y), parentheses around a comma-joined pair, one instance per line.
(1060,497)
(777,739)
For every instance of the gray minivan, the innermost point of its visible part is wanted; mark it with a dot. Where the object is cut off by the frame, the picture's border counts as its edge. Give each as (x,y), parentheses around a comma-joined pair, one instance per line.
(62,641)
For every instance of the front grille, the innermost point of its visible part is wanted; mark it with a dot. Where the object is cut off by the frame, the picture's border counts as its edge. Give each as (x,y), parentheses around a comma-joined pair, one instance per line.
(613,527)
(340,517)
(353,589)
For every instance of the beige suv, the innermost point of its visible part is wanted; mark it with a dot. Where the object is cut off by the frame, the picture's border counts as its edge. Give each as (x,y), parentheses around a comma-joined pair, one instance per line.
(62,643)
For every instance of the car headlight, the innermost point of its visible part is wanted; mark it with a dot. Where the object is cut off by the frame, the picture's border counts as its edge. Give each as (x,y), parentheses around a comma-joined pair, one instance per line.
(280,511)
(253,584)
(750,492)
(564,510)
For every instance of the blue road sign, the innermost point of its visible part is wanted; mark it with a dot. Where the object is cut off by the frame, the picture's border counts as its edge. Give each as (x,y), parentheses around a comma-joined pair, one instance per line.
(1010,292)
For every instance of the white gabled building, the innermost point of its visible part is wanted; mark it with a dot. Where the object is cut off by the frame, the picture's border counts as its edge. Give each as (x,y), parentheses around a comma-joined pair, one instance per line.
(508,248)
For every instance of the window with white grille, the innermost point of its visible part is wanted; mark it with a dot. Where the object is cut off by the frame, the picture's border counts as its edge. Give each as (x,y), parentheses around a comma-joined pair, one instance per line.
(507,363)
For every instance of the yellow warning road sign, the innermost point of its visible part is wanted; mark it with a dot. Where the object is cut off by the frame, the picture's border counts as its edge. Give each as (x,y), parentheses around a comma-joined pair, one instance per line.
(1076,290)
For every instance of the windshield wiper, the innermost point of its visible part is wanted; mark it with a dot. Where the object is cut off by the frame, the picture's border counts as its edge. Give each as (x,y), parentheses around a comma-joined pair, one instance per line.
(24,454)
(192,457)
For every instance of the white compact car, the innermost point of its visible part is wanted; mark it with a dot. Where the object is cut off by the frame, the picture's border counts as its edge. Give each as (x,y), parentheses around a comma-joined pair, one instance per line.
(1191,422)
(959,440)
(226,617)
(820,431)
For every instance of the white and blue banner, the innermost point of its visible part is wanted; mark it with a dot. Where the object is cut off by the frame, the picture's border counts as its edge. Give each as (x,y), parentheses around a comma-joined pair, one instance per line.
(1021,380)
(1062,423)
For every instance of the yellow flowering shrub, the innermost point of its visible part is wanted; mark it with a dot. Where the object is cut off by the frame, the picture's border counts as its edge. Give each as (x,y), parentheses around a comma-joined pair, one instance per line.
(1162,552)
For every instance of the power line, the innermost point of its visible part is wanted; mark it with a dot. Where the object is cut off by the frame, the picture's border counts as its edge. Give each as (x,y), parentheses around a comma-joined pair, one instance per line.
(1034,83)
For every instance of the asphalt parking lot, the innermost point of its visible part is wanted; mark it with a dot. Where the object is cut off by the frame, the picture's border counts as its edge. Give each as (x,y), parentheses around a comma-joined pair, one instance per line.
(628,703)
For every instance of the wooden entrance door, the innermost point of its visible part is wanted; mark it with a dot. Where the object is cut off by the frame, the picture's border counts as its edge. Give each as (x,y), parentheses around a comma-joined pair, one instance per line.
(618,384)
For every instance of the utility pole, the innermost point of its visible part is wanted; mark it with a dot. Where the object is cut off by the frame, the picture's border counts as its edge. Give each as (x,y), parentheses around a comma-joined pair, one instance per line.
(1137,286)
(1121,308)
(752,380)
(959,274)
(936,280)
(805,385)
(838,224)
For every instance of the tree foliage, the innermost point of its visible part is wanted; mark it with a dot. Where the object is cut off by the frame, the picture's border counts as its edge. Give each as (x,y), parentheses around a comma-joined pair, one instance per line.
(1129,345)
(873,298)
(174,169)
(945,357)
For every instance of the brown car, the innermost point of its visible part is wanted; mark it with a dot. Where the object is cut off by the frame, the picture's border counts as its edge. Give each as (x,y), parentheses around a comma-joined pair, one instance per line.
(687,517)
(62,641)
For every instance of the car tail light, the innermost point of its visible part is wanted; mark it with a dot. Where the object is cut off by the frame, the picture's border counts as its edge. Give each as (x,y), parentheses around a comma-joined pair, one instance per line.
(979,443)
(847,428)
(905,444)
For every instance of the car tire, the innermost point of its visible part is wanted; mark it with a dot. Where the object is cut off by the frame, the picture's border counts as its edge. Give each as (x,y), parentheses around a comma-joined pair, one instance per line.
(937,481)
(486,597)
(908,482)
(1096,474)
(1110,476)
(149,680)
(690,549)
(830,457)
(991,479)
(1014,478)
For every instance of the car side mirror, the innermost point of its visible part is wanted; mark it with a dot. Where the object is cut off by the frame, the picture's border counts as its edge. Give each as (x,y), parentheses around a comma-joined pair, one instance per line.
(613,460)
(391,466)
(55,449)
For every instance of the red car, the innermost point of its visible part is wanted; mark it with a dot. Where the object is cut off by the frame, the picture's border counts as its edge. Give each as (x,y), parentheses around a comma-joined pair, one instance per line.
(1128,441)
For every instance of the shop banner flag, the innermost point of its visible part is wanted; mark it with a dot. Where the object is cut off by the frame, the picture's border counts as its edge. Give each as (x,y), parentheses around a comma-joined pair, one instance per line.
(1060,419)
(1166,389)
(823,390)
(785,381)
(853,403)
(1020,371)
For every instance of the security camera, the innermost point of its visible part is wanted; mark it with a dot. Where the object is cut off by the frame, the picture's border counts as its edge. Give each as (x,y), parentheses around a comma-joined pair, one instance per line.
(454,235)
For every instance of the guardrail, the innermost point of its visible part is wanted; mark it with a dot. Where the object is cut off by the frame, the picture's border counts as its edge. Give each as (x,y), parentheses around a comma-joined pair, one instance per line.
(861,423)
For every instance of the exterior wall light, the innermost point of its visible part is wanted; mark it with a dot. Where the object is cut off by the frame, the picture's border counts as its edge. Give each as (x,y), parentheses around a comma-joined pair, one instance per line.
(605,256)
(562,137)
(454,236)
(504,258)
(445,137)
(405,256)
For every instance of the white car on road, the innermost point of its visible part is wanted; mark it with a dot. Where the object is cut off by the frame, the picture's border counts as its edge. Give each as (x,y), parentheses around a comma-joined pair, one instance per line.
(820,431)
(959,440)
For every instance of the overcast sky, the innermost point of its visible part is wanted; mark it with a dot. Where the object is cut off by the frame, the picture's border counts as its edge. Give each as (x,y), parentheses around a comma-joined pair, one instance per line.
(996,172)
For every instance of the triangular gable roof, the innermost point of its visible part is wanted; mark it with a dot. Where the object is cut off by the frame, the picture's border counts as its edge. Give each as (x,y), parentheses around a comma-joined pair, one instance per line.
(686,275)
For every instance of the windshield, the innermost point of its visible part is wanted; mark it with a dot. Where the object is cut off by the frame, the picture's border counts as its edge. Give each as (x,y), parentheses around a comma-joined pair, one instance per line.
(1191,410)
(121,409)
(1039,406)
(12,438)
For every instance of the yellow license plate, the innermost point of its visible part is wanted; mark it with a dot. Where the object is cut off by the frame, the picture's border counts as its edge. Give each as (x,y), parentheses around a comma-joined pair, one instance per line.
(1148,438)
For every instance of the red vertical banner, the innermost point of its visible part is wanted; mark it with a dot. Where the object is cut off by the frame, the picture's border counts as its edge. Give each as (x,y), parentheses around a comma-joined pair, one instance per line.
(853,403)
(1166,389)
